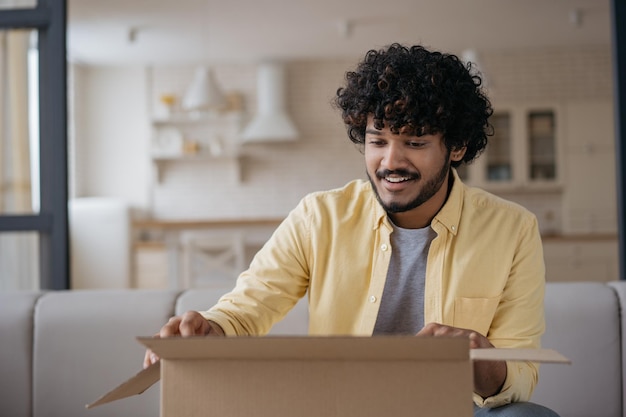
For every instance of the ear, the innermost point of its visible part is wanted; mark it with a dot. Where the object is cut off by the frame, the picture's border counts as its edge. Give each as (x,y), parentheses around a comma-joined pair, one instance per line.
(458,154)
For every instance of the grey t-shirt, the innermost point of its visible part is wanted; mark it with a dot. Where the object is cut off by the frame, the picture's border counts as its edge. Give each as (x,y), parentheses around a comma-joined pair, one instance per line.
(402,305)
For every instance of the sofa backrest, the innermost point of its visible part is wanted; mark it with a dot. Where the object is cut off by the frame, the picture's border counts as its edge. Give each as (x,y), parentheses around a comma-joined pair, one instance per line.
(85,345)
(583,323)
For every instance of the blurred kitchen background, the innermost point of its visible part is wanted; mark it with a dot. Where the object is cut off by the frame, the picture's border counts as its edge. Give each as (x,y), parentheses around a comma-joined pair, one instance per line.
(195,126)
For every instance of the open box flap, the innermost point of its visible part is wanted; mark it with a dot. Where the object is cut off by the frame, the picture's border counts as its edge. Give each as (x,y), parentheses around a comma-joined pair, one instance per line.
(133,386)
(510,354)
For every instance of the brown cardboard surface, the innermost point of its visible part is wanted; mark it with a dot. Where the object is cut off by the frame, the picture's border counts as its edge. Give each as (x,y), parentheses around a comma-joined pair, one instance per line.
(313,376)
(310,348)
(317,388)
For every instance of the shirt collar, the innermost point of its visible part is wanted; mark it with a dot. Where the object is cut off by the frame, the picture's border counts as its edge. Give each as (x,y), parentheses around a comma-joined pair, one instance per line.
(450,214)
(379,215)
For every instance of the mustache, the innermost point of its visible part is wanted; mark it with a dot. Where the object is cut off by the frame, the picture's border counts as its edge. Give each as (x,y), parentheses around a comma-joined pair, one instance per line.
(399,172)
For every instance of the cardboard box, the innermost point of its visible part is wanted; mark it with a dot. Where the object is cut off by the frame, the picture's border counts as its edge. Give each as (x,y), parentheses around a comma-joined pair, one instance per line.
(315,376)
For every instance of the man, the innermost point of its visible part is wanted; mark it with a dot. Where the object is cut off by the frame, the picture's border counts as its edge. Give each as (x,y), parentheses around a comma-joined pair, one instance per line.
(413,250)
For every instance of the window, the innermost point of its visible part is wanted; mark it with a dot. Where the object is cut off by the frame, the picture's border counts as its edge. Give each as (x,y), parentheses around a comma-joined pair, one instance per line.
(33,210)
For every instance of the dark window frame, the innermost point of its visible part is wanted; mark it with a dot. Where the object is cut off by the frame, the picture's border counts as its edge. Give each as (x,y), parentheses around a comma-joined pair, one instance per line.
(618,12)
(49,18)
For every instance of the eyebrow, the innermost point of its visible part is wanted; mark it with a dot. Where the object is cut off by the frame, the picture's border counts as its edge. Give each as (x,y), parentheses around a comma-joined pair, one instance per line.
(373,132)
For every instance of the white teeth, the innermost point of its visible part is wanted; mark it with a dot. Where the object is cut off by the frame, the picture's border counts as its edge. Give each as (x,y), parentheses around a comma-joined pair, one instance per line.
(397,179)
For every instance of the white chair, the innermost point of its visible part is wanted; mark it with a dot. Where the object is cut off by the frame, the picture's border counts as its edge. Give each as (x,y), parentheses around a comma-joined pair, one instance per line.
(212,258)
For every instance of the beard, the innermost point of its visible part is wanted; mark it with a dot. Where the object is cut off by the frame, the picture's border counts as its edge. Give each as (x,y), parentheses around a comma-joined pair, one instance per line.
(429,189)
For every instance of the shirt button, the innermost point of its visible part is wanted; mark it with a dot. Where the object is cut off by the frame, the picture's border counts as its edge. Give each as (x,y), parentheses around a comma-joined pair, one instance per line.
(372,298)
(384,247)
(453,228)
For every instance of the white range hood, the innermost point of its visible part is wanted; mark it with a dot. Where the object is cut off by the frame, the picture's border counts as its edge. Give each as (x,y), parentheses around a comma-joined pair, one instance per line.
(271,123)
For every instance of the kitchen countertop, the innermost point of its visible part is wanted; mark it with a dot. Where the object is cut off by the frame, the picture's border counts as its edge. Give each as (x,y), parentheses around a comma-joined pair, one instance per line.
(179,224)
(201,224)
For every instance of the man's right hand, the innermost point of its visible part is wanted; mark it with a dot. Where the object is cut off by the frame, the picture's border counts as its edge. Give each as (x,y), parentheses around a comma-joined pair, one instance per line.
(189,324)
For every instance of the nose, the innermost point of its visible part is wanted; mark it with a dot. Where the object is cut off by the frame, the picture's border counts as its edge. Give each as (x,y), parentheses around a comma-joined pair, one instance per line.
(394,157)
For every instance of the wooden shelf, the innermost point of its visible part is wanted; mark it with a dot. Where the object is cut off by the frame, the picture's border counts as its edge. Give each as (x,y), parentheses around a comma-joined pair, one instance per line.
(203,118)
(161,160)
(204,130)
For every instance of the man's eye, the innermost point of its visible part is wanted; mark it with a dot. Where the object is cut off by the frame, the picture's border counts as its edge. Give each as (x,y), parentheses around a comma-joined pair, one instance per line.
(376,142)
(416,144)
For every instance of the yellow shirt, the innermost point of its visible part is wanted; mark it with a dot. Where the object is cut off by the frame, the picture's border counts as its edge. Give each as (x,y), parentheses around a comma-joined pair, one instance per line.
(485,271)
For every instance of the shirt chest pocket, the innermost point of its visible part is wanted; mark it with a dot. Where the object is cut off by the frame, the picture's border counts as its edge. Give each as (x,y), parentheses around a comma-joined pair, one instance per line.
(475,313)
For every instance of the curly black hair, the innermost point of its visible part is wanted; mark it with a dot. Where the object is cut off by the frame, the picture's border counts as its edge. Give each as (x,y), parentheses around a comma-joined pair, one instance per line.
(417,91)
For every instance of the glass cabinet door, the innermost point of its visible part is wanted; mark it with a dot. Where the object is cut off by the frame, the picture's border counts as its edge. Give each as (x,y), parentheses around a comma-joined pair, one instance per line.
(522,153)
(541,141)
(499,157)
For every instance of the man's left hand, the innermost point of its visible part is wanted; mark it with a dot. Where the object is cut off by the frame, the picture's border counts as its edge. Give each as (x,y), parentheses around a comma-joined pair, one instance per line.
(489,376)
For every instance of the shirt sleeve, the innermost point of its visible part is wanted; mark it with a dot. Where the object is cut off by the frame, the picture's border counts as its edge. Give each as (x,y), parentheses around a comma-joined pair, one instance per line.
(518,385)
(519,320)
(276,279)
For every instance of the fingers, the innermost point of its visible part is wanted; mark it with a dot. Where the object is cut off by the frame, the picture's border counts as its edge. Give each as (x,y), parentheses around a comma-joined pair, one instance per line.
(171,328)
(192,323)
(438,330)
(149,358)
(189,324)
(476,339)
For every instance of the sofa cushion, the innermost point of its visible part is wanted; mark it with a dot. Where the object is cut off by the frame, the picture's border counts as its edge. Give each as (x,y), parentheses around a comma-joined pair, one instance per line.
(295,323)
(583,323)
(16,348)
(84,345)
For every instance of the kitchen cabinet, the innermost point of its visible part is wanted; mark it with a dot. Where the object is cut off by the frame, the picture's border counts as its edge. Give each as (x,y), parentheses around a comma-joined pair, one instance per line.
(581,258)
(150,265)
(557,160)
(590,199)
(524,152)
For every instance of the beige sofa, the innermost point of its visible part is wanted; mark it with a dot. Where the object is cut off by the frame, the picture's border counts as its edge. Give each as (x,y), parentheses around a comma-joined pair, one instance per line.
(62,350)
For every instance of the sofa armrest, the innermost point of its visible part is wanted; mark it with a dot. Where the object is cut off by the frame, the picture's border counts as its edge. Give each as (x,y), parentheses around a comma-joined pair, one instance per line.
(583,323)
(620,290)
(16,347)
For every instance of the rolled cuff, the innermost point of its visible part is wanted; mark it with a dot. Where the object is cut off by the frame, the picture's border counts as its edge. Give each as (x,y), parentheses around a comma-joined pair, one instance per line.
(220,320)
(521,378)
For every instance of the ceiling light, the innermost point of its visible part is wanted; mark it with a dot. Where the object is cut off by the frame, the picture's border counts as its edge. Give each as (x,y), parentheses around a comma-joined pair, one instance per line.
(203,93)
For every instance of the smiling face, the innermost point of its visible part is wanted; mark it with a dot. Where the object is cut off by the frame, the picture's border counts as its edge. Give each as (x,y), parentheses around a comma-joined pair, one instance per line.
(408,173)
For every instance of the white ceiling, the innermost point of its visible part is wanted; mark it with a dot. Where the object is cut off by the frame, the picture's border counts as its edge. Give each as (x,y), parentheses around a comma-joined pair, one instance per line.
(228,31)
